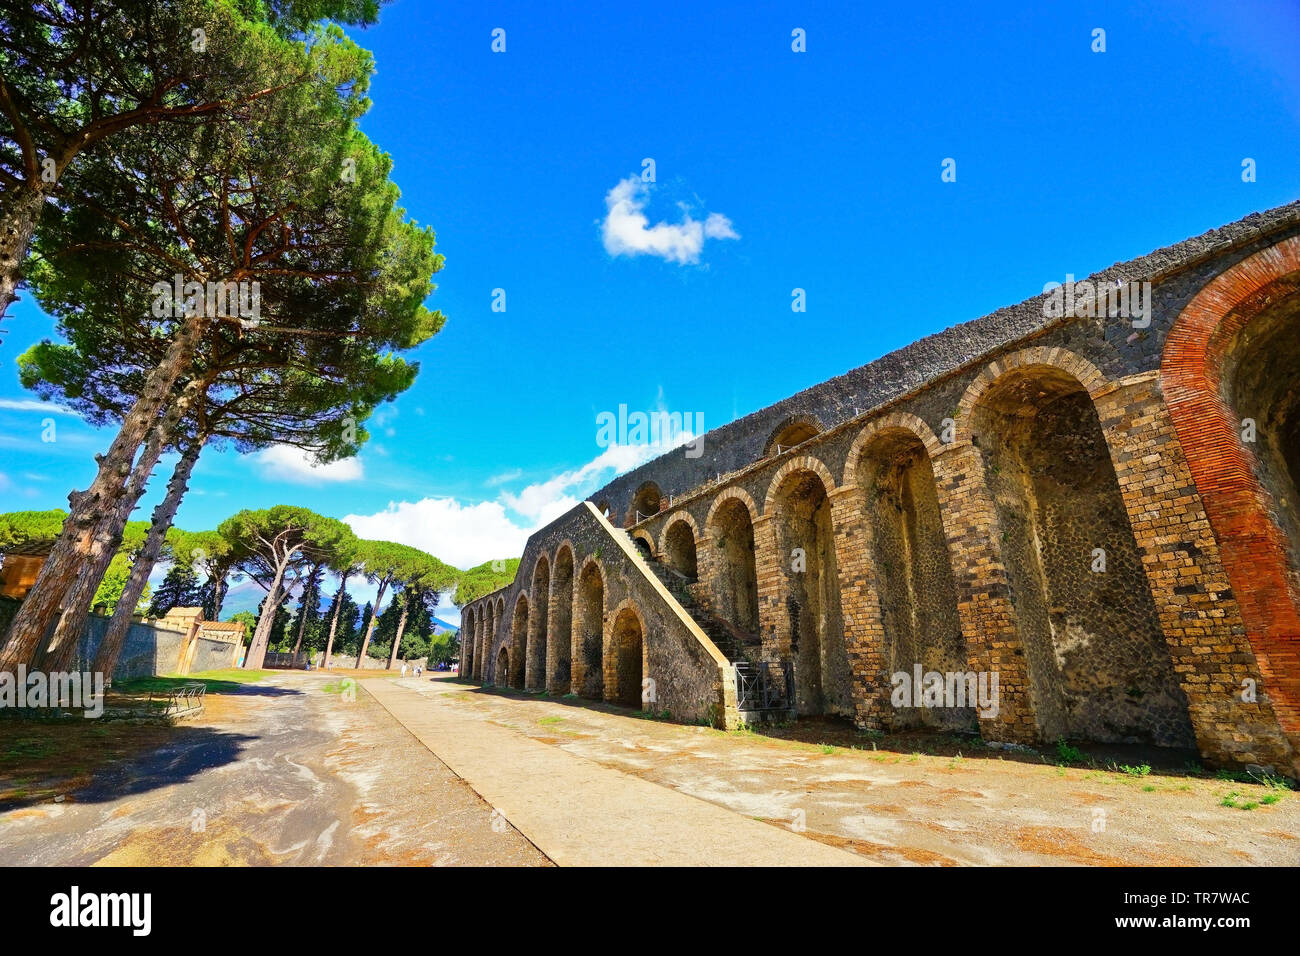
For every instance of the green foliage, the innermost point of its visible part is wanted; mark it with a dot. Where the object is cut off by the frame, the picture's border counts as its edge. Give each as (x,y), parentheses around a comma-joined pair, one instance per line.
(113,584)
(28,527)
(1067,753)
(246,618)
(180,588)
(484,579)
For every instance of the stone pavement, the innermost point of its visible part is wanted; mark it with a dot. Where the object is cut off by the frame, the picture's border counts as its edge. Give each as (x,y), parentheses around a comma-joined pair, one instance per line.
(580,813)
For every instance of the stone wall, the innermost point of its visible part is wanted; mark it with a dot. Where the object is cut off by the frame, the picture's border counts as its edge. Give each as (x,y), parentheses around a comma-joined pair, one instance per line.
(1068,503)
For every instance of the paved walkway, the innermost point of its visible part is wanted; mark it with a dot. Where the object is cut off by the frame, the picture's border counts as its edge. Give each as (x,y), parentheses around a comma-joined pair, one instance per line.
(580,813)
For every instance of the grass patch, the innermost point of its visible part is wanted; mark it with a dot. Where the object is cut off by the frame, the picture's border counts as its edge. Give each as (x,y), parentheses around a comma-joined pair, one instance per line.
(549,720)
(1068,753)
(217,682)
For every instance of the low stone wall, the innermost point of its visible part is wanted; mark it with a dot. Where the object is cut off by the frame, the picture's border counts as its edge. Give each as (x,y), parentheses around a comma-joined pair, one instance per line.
(212,655)
(284,660)
(149,650)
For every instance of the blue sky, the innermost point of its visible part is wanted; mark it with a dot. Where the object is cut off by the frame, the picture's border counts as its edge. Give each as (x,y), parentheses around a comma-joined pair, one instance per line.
(774,170)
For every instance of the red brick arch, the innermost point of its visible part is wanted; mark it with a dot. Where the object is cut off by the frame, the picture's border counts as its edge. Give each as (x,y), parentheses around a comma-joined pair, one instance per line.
(1238,505)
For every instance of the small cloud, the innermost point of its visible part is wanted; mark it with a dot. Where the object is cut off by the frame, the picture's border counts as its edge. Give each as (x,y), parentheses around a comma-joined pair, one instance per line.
(505,476)
(627,230)
(34,405)
(287,463)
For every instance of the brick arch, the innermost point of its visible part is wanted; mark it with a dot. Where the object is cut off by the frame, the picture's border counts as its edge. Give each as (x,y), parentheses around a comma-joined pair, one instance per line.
(1253,549)
(802,463)
(532,578)
(793,423)
(894,420)
(740,494)
(672,519)
(641,534)
(618,687)
(1074,365)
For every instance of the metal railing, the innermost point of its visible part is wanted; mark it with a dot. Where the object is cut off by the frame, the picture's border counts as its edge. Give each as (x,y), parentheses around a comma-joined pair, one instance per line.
(767,685)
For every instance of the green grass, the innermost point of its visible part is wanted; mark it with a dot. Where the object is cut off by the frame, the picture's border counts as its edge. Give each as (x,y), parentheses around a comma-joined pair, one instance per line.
(1141,770)
(1066,753)
(217,682)
(549,720)
(827,749)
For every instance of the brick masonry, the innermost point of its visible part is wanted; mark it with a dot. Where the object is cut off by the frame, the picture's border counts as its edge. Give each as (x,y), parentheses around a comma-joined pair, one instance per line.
(976,424)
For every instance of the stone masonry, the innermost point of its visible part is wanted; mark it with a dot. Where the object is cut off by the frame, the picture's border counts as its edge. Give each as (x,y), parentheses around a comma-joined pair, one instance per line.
(1098,511)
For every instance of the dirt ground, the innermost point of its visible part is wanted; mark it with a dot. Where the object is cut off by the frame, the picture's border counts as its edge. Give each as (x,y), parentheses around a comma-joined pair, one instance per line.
(962,804)
(295,769)
(287,770)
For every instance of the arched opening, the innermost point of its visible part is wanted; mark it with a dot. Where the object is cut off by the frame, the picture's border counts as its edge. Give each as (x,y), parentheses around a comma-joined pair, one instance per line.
(1261,383)
(561,640)
(810,595)
(793,431)
(679,549)
(535,677)
(645,502)
(918,595)
(503,667)
(468,641)
(518,643)
(589,634)
(496,626)
(735,579)
(1096,657)
(641,540)
(625,649)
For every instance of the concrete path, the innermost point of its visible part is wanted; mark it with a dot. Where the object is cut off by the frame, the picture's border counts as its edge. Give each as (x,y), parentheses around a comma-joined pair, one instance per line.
(580,813)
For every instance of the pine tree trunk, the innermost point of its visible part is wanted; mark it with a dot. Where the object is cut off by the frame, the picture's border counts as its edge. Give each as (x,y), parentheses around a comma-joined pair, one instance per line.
(20,218)
(88,508)
(62,653)
(334,620)
(397,641)
(309,589)
(275,596)
(110,649)
(370,628)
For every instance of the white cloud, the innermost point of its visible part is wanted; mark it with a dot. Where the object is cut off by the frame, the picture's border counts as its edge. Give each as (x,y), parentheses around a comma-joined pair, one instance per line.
(466,535)
(287,463)
(627,230)
(461,535)
(34,405)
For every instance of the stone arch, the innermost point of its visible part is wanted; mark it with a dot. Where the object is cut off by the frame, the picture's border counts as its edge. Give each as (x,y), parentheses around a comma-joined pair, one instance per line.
(1233,353)
(894,420)
(890,464)
(1072,364)
(588,654)
(808,463)
(502,666)
(538,624)
(809,626)
(677,545)
(794,430)
(560,645)
(644,542)
(1096,658)
(497,624)
(518,643)
(730,563)
(646,501)
(468,641)
(625,655)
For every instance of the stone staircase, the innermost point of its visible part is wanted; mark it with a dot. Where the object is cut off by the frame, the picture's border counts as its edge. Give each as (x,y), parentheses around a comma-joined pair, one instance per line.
(736,645)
